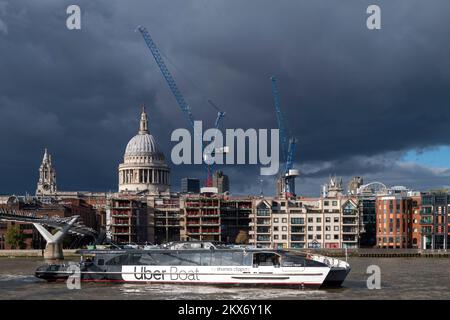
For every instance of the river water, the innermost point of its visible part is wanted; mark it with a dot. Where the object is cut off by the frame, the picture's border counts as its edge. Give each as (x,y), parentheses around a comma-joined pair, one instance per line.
(401,278)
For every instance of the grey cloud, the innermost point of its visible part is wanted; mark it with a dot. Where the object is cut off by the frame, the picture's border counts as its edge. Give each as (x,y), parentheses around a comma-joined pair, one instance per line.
(349,94)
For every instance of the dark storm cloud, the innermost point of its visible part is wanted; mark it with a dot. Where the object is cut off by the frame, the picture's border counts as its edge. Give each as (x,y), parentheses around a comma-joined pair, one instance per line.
(356,99)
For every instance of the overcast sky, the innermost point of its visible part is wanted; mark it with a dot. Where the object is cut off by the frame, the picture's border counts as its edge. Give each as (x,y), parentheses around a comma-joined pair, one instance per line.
(374,104)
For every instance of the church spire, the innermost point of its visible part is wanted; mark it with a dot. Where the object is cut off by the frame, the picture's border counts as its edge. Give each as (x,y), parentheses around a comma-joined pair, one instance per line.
(47,176)
(143,127)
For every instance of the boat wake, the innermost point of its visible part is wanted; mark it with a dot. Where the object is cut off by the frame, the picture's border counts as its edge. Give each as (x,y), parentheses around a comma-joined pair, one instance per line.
(17,277)
(171,291)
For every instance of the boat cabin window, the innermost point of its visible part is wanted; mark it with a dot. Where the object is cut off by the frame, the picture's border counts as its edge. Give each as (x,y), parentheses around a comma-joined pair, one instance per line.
(232,258)
(292,260)
(190,259)
(118,260)
(266,259)
(53,268)
(183,258)
(206,259)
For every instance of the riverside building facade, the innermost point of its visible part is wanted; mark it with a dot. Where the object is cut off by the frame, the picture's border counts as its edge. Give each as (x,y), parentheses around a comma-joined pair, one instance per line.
(144,210)
(330,221)
(394,211)
(412,219)
(433,229)
(209,217)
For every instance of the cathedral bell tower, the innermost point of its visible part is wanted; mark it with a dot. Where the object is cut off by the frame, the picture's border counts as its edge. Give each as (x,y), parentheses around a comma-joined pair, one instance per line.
(47,177)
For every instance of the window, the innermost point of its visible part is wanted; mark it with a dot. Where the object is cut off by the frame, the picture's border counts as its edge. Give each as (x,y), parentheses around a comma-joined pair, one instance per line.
(262,212)
(122,259)
(319,228)
(336,219)
(297,237)
(427,200)
(297,221)
(310,220)
(328,237)
(262,238)
(284,220)
(275,228)
(318,220)
(189,259)
(310,236)
(310,228)
(292,260)
(326,203)
(262,229)
(327,219)
(275,237)
(334,203)
(327,228)
(336,228)
(319,237)
(275,220)
(297,229)
(231,258)
(336,237)
(283,237)
(283,228)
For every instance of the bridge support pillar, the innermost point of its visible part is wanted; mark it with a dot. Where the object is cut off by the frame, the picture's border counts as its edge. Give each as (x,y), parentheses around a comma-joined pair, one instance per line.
(54,249)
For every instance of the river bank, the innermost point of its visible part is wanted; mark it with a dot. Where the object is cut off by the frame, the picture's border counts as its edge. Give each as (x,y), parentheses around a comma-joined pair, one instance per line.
(34,253)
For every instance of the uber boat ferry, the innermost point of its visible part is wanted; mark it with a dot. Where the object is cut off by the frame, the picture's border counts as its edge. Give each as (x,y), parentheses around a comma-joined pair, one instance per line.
(204,263)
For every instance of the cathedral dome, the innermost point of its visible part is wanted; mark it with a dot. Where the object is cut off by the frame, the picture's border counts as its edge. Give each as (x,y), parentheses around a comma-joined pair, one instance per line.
(141,144)
(144,168)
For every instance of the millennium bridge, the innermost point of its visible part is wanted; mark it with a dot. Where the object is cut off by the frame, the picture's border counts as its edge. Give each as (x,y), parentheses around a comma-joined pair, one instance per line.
(67,225)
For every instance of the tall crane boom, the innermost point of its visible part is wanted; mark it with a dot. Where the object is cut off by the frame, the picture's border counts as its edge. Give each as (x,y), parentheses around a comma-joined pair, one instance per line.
(220,115)
(167,75)
(280,119)
(291,154)
(288,148)
(208,154)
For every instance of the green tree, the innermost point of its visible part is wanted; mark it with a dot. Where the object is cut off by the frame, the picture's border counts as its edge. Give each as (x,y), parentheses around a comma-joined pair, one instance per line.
(14,237)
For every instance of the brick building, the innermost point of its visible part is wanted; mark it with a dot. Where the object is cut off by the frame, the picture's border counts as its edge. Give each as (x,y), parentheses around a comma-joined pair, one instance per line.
(394,212)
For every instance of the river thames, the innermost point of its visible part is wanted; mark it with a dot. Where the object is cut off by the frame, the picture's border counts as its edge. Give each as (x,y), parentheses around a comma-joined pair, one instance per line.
(401,278)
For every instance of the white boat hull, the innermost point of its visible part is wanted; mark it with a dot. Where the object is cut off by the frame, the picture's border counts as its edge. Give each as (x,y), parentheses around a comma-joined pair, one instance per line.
(309,276)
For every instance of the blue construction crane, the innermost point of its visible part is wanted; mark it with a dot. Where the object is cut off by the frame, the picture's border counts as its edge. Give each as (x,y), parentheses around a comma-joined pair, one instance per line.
(291,154)
(167,75)
(288,148)
(220,115)
(209,156)
(177,93)
(280,119)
